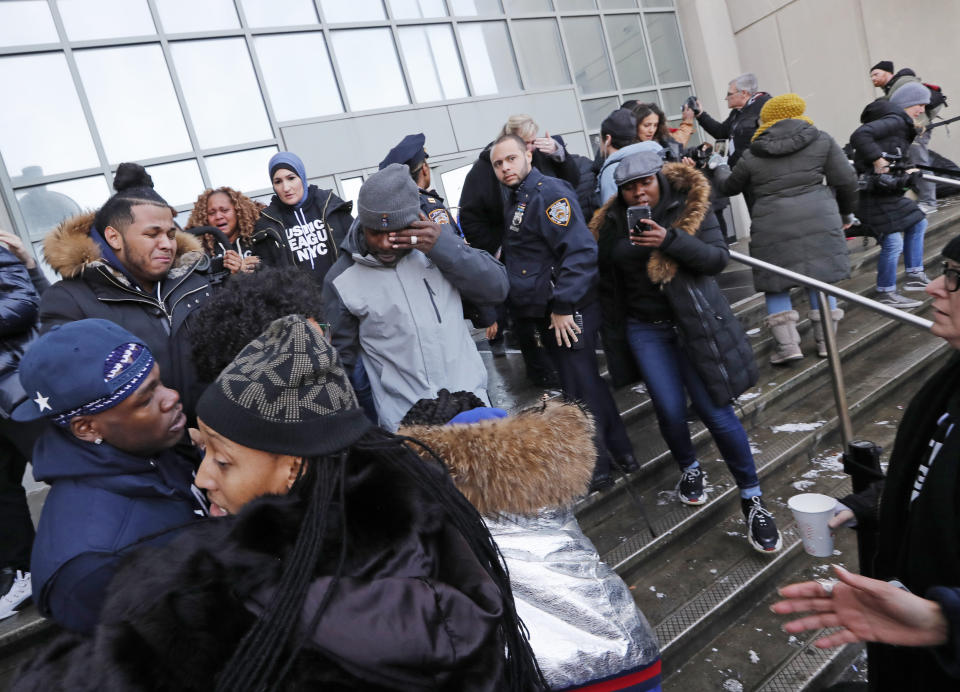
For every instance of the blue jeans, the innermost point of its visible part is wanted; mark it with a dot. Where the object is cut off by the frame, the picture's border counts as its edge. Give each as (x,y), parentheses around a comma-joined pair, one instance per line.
(891,245)
(780,302)
(669,376)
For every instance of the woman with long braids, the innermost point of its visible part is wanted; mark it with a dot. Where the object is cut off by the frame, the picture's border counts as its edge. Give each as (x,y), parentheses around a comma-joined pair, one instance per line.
(342,561)
(234,214)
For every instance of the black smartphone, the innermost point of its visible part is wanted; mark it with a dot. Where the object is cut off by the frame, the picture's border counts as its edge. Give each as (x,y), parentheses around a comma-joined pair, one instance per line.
(578,320)
(692,103)
(634,215)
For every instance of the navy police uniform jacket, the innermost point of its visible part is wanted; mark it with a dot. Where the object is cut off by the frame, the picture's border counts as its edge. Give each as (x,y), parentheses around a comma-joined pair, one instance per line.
(431,204)
(551,257)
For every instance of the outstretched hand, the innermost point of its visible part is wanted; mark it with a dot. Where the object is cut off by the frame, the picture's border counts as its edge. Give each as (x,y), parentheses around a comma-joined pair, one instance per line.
(865,609)
(15,244)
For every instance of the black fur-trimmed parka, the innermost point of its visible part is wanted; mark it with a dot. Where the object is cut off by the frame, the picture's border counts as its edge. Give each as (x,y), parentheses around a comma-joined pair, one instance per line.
(692,253)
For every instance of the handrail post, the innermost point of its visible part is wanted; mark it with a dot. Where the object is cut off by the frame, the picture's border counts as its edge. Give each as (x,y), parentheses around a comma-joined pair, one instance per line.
(836,373)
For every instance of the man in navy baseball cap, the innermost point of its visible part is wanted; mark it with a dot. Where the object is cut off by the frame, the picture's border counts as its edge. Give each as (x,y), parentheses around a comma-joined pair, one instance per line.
(109,459)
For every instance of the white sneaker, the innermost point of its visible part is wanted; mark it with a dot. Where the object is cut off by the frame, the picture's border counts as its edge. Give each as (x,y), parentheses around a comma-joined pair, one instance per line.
(927,208)
(20,591)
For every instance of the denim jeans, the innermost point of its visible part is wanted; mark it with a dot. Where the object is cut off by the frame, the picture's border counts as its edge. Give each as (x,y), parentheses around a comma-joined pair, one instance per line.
(669,376)
(891,246)
(780,302)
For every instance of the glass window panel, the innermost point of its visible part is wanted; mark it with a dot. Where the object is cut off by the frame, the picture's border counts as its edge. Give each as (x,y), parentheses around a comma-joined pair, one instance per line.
(527,6)
(44,206)
(189,15)
(241,170)
(475,8)
(432,62)
(489,57)
(350,189)
(23,23)
(47,129)
(541,53)
(369,68)
(596,110)
(657,3)
(588,53)
(352,10)
(664,35)
(178,182)
(279,12)
(643,97)
(673,100)
(629,51)
(618,4)
(183,217)
(142,127)
(223,97)
(415,9)
(453,187)
(47,270)
(91,19)
(569,5)
(299,93)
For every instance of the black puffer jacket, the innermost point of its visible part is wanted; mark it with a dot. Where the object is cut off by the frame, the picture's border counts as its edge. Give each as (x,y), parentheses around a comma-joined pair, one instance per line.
(684,266)
(795,218)
(19,309)
(308,235)
(414,610)
(482,199)
(94,287)
(886,129)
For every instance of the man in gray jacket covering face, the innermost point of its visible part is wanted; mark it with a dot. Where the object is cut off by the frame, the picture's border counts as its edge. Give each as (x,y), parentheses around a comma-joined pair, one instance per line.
(393,299)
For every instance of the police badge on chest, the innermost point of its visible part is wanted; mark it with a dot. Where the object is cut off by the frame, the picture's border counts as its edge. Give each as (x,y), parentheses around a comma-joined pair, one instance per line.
(517,217)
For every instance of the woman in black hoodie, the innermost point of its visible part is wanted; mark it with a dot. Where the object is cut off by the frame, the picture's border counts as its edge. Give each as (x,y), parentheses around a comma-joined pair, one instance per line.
(312,222)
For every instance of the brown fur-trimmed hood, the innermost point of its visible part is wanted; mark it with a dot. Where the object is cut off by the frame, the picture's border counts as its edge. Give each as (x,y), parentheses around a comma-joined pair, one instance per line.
(540,457)
(686,181)
(70,250)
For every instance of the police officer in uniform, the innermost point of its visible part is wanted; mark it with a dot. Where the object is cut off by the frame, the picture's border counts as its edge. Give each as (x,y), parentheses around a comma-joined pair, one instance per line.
(411,153)
(551,260)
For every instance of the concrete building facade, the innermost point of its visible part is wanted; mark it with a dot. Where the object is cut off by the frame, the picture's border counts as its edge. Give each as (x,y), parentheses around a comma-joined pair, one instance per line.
(203,92)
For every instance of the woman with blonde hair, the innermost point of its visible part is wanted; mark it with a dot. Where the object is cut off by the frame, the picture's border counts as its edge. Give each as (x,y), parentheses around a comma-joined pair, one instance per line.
(235,215)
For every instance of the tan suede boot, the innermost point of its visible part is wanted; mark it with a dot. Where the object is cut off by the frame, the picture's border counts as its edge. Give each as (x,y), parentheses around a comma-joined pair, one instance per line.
(836,315)
(783,325)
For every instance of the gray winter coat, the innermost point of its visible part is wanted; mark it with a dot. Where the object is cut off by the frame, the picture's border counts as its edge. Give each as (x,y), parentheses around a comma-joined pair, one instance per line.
(406,321)
(796,218)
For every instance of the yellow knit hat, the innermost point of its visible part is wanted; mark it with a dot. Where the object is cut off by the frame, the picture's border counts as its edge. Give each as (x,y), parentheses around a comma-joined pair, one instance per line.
(783,107)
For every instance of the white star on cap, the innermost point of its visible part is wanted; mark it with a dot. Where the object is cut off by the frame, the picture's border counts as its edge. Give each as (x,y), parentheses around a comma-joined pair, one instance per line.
(41,401)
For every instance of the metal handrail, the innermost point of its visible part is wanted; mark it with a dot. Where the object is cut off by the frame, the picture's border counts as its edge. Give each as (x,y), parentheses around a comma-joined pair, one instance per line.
(830,339)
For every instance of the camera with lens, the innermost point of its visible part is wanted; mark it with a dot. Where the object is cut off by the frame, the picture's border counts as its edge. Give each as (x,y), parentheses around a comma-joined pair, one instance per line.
(892,182)
(691,103)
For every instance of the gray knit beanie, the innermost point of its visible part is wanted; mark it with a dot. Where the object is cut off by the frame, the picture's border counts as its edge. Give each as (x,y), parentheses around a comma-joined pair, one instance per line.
(389,200)
(285,393)
(910,94)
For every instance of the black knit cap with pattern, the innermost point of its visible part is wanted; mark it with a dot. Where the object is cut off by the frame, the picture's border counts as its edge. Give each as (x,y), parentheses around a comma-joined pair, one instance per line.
(285,393)
(951,250)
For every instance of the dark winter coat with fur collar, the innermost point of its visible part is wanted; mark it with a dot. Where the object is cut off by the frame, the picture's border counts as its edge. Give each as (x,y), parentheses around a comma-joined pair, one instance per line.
(414,610)
(94,285)
(683,267)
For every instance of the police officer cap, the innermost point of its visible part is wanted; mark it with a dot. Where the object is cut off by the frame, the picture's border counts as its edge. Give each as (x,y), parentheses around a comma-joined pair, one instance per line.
(409,152)
(636,166)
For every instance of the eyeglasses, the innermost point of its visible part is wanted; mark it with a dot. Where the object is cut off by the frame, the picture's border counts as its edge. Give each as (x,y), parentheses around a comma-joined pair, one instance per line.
(951,278)
(729,94)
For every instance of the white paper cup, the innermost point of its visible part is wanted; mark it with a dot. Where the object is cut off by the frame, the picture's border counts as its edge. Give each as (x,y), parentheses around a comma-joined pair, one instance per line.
(813,511)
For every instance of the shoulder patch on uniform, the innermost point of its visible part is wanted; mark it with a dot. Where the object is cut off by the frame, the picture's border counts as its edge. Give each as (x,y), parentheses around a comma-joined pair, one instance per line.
(439,216)
(559,212)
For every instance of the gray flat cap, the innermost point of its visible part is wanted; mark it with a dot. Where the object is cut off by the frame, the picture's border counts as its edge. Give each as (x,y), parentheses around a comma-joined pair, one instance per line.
(388,200)
(636,166)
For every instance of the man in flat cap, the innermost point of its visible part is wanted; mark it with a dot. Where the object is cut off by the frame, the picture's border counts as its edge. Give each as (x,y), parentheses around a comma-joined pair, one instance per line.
(393,299)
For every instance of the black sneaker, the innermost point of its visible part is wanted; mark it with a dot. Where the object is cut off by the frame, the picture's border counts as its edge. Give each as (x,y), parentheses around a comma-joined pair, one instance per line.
(690,488)
(761,528)
(627,463)
(600,482)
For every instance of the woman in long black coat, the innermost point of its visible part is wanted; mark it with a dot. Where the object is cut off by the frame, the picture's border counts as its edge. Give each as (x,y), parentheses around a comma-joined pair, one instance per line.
(797,222)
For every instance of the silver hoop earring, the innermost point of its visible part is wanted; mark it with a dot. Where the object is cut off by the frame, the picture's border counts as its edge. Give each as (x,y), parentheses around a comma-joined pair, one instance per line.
(97,441)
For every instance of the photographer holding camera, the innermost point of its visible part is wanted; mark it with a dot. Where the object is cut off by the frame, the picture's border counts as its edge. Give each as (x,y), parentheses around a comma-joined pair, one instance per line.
(886,130)
(665,319)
